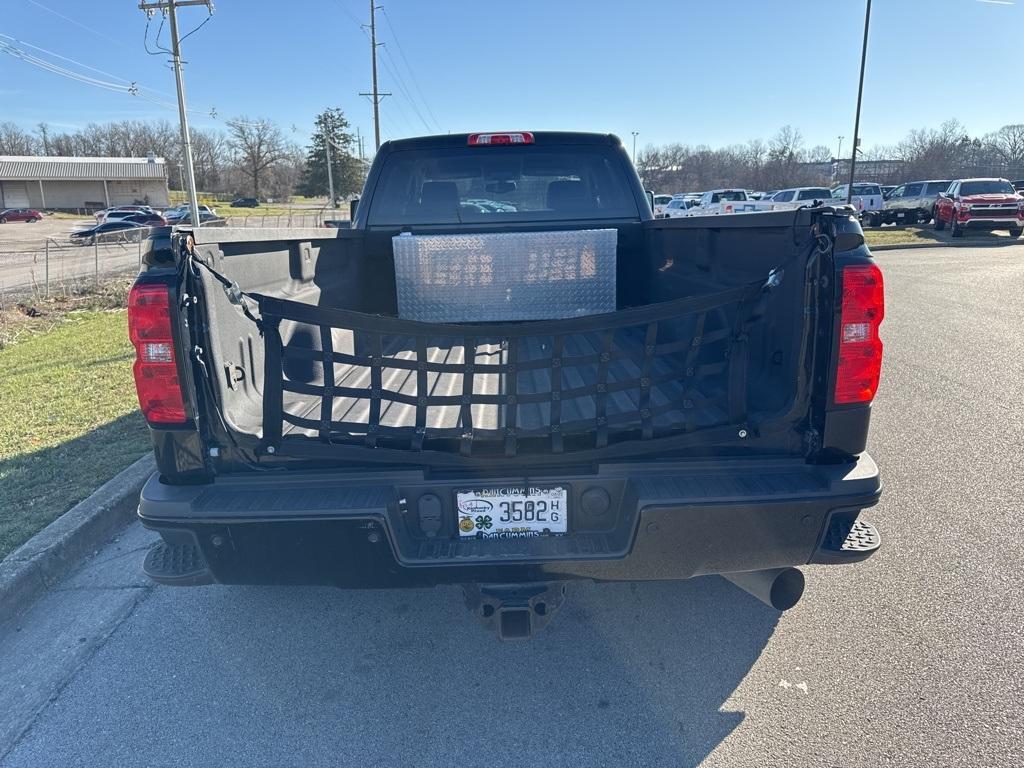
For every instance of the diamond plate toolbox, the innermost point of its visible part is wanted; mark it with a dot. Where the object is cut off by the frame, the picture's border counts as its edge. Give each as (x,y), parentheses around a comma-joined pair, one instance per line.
(505,276)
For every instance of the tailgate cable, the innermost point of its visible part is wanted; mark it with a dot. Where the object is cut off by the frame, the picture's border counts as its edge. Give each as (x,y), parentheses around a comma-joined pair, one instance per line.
(235,294)
(205,378)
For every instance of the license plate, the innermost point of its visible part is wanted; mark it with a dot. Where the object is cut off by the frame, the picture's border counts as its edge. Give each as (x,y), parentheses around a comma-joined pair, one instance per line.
(503,513)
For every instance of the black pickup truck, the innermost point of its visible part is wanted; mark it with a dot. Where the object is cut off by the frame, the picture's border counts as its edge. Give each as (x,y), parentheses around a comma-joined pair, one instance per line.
(507,375)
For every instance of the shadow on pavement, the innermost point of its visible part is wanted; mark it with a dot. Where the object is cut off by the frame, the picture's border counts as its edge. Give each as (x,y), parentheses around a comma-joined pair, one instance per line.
(624,675)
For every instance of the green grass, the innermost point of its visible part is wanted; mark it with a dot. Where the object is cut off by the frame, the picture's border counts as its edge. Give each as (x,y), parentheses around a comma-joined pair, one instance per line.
(69,419)
(910,235)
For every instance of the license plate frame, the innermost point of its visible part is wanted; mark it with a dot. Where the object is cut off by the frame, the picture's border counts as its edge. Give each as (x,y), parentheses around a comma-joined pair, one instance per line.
(503,512)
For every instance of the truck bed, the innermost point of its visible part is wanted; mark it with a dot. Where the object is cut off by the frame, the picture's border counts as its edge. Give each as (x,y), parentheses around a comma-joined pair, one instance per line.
(667,396)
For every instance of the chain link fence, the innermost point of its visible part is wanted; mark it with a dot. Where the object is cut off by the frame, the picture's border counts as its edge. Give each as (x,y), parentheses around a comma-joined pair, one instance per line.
(44,265)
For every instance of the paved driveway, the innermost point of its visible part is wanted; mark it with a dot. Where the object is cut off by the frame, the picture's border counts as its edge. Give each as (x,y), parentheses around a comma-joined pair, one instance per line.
(912,659)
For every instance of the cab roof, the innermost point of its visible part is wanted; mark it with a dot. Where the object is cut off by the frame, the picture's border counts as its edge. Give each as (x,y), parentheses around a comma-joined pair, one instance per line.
(448,141)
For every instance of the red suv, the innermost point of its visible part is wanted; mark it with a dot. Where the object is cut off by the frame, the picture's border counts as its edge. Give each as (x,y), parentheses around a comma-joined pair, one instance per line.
(20,214)
(987,204)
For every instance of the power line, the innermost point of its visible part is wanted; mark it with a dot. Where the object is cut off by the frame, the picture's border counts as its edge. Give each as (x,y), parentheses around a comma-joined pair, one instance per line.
(15,47)
(78,23)
(145,38)
(198,27)
(412,74)
(391,66)
(352,17)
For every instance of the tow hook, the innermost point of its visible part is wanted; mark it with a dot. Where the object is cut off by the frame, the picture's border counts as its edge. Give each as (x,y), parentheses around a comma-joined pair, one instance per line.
(516,611)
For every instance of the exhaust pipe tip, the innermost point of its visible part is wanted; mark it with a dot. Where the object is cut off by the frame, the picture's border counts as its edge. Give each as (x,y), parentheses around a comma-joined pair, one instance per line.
(779,588)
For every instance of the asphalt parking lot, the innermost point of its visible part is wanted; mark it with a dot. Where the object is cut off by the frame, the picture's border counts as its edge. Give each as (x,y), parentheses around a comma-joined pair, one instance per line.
(911,659)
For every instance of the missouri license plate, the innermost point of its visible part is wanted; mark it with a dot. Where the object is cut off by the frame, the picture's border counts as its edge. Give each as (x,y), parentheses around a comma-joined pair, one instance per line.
(496,513)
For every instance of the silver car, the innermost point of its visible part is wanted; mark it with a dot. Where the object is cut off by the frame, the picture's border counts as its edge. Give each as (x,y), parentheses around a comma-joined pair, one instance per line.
(913,202)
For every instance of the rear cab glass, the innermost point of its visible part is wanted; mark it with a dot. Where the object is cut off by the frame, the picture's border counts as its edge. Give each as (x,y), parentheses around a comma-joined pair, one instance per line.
(936,187)
(867,189)
(813,194)
(501,185)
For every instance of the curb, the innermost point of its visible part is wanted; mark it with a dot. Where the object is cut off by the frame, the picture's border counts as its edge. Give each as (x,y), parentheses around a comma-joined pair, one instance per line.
(915,246)
(47,557)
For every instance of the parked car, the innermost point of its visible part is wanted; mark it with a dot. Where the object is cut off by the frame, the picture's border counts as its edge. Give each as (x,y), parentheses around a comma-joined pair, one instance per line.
(802,196)
(1018,185)
(185,217)
(146,219)
(415,418)
(660,201)
(986,204)
(20,214)
(245,202)
(910,203)
(870,197)
(676,207)
(120,211)
(108,231)
(726,201)
(180,211)
(887,190)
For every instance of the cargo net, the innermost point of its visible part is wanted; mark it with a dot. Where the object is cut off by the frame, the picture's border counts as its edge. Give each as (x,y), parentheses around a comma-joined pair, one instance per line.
(336,378)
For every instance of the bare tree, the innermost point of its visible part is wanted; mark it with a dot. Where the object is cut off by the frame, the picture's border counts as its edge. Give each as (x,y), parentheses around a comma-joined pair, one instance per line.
(1007,146)
(257,146)
(209,157)
(15,141)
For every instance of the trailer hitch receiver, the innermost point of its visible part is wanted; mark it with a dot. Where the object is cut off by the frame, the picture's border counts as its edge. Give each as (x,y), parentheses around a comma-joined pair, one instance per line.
(516,611)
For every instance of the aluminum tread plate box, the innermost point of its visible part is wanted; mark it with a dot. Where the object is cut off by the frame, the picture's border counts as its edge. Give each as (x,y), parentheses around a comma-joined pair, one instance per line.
(507,276)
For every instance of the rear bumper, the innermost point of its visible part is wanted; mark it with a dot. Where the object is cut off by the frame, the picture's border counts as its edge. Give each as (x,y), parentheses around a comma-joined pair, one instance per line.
(661,521)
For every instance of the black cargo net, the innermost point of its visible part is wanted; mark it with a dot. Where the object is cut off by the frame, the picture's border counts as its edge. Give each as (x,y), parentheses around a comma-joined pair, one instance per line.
(339,379)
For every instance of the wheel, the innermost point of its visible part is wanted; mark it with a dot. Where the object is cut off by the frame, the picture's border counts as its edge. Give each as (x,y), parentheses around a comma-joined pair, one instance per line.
(3,220)
(939,224)
(955,230)
(875,220)
(1016,232)
(33,220)
(910,219)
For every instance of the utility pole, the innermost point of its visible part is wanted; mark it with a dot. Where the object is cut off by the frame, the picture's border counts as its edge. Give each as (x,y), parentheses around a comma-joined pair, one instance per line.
(860,93)
(635,134)
(330,173)
(170,8)
(839,151)
(376,95)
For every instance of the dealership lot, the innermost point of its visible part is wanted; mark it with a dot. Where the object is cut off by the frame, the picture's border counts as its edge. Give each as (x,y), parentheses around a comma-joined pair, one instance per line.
(909,659)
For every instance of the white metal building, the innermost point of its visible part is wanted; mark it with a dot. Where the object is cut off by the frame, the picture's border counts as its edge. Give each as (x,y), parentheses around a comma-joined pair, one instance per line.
(74,183)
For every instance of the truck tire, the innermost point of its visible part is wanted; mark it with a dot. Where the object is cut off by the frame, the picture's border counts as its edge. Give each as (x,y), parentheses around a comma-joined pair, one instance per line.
(3,220)
(939,224)
(955,230)
(874,219)
(1016,232)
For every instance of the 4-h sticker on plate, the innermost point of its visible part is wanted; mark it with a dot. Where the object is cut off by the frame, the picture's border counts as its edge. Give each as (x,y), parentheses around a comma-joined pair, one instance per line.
(488,513)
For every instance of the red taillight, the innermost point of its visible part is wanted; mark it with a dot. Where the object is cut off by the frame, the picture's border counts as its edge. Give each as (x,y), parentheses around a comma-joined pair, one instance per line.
(156,371)
(860,348)
(493,139)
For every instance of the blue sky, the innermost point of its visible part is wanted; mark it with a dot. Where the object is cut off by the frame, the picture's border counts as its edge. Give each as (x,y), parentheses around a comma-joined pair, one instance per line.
(674,70)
